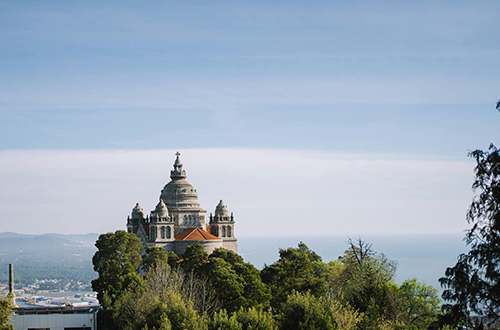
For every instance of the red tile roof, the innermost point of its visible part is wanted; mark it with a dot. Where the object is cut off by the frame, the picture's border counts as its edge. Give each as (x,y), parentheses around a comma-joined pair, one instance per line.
(194,234)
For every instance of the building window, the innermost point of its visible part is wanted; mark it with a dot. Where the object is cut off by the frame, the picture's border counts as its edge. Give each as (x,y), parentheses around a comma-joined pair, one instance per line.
(228,231)
(223,231)
(169,232)
(162,232)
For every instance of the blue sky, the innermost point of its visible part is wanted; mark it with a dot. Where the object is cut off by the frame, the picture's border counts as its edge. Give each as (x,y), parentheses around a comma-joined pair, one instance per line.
(390,82)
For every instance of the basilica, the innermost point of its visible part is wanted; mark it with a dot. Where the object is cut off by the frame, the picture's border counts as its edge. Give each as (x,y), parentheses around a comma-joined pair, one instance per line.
(179,221)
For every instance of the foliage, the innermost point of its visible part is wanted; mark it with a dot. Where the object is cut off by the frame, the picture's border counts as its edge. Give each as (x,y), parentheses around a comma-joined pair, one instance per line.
(222,321)
(255,293)
(255,319)
(193,257)
(303,311)
(181,316)
(222,291)
(367,284)
(5,314)
(236,283)
(420,304)
(161,303)
(334,274)
(297,269)
(116,261)
(344,316)
(473,284)
(156,255)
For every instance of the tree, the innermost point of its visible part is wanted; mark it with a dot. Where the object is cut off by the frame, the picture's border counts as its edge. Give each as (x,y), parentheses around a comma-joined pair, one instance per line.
(5,314)
(420,303)
(303,311)
(193,257)
(344,316)
(367,284)
(297,269)
(236,283)
(222,321)
(255,292)
(117,262)
(156,255)
(163,302)
(174,314)
(472,286)
(255,319)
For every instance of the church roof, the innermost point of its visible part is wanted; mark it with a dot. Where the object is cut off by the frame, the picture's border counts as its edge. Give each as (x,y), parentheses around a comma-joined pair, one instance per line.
(178,192)
(194,234)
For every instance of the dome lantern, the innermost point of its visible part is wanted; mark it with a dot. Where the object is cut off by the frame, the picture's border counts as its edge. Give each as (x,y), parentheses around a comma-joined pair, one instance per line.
(137,212)
(221,210)
(177,172)
(161,209)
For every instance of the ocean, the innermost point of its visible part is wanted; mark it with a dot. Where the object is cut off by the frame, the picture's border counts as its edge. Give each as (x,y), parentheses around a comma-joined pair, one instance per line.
(424,257)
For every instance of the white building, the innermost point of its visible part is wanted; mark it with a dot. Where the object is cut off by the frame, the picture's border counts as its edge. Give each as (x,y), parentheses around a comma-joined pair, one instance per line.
(55,318)
(179,221)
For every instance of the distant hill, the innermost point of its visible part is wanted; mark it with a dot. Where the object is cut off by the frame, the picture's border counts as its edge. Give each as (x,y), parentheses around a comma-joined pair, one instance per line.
(47,256)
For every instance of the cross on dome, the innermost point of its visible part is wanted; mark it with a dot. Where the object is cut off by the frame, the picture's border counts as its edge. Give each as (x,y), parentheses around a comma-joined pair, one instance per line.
(178,172)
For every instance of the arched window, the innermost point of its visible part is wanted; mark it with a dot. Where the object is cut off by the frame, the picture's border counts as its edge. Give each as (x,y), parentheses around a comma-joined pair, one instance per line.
(169,232)
(185,219)
(162,232)
(228,231)
(223,231)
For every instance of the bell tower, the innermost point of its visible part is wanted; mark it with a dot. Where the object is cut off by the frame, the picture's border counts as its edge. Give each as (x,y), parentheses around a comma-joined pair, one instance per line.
(222,226)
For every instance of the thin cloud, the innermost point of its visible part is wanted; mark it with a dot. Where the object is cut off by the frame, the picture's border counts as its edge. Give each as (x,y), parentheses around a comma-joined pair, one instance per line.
(271,192)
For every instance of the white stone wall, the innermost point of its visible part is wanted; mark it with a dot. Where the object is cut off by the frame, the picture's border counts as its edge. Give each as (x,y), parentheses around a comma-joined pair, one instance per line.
(55,321)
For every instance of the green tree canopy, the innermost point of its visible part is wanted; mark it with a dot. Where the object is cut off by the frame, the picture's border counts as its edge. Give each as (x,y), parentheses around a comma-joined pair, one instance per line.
(472,286)
(255,292)
(5,314)
(367,284)
(235,282)
(117,261)
(255,319)
(303,311)
(420,303)
(222,321)
(297,269)
(156,256)
(193,257)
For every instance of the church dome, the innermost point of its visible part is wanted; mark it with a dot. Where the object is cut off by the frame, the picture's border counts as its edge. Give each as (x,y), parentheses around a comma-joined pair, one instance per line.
(221,210)
(161,209)
(137,212)
(179,192)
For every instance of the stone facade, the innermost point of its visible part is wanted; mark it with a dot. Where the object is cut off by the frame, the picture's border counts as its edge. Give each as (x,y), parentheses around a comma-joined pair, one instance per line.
(179,221)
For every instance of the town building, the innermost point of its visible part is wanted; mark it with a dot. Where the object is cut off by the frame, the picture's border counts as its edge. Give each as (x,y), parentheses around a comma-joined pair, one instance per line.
(179,221)
(55,318)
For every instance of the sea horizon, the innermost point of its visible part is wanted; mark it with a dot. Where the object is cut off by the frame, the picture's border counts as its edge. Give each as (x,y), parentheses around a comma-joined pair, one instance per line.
(421,256)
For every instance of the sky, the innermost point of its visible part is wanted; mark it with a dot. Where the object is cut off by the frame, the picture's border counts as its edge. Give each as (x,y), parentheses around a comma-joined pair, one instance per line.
(306,118)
